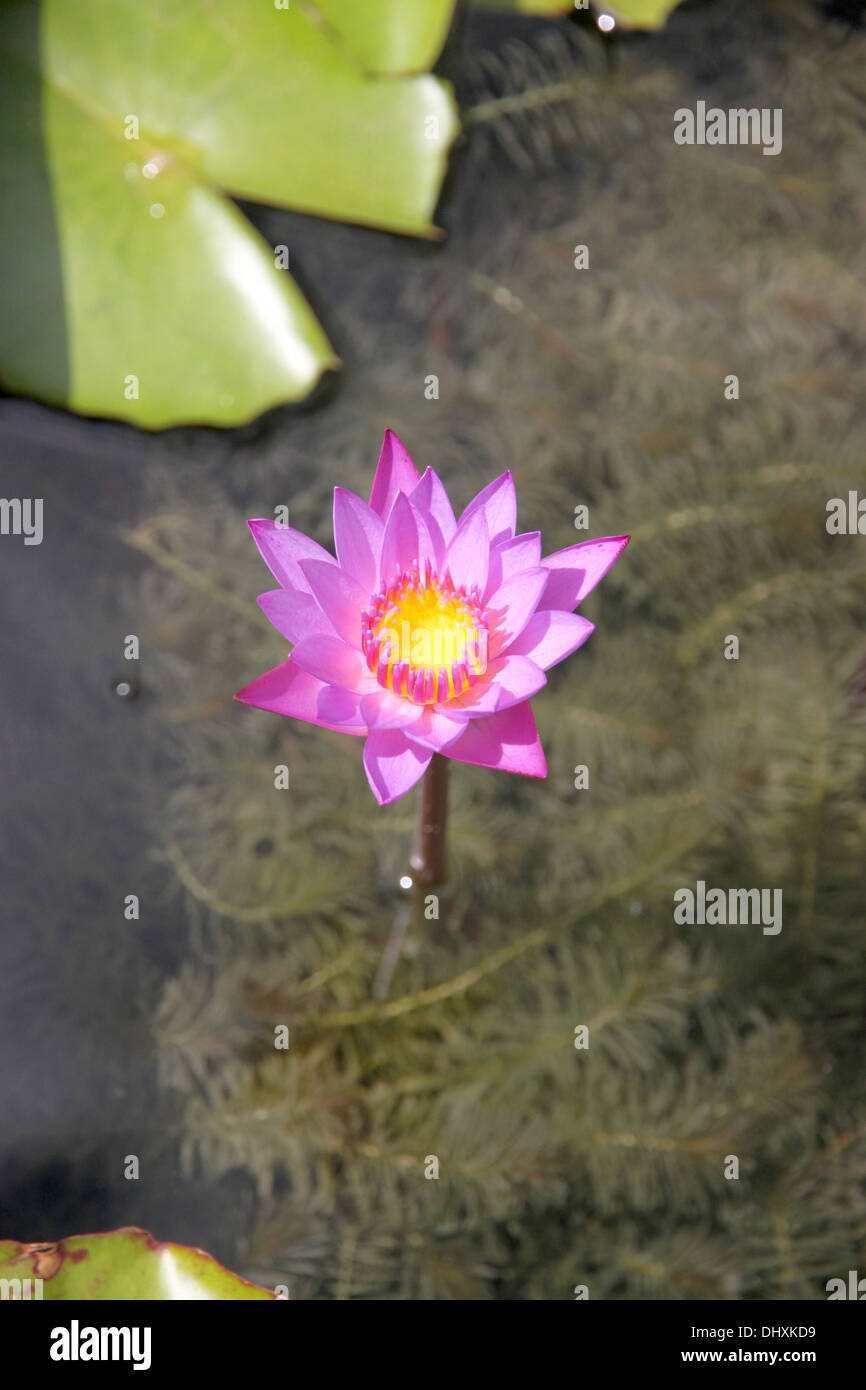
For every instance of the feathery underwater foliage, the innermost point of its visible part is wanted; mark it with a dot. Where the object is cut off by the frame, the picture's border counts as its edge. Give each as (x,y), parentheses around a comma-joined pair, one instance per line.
(603,387)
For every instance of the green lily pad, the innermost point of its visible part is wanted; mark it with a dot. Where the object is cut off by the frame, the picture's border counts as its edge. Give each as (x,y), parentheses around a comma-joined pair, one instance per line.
(643,14)
(124,1264)
(635,14)
(390,37)
(132,286)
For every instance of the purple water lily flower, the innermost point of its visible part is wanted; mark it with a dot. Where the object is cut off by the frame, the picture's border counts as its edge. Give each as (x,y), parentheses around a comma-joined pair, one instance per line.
(426,634)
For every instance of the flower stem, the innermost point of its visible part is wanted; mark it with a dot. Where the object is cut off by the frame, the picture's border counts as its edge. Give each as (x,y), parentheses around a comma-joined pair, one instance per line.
(427,867)
(428,859)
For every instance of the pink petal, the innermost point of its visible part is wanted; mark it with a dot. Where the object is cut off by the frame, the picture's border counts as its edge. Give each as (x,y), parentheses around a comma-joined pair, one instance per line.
(395,472)
(393,764)
(437,728)
(427,547)
(508,741)
(400,544)
(510,608)
(282,548)
(432,728)
(340,598)
(575,571)
(467,556)
(382,710)
(293,613)
(498,501)
(341,708)
(510,557)
(507,680)
(334,662)
(358,535)
(289,690)
(551,635)
(431,500)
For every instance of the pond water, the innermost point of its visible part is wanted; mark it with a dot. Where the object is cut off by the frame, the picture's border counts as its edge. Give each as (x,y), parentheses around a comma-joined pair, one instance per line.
(603,387)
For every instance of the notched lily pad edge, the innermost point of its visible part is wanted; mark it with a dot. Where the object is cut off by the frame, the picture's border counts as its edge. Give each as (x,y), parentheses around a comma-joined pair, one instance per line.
(48,1258)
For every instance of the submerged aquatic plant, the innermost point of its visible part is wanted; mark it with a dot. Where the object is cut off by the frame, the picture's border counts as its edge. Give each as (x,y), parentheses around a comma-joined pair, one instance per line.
(426,634)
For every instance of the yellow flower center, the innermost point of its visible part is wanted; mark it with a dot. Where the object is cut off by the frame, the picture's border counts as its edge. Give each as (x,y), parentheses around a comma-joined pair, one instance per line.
(424,638)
